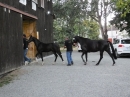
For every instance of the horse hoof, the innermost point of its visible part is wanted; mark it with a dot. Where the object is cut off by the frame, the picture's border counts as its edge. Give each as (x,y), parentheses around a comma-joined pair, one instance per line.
(53,63)
(42,63)
(97,64)
(36,61)
(113,64)
(63,62)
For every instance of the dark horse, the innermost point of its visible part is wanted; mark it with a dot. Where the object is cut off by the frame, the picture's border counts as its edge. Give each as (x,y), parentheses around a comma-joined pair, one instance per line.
(88,45)
(46,47)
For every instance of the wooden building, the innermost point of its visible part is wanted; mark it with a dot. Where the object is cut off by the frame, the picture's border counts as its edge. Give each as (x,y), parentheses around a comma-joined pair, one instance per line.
(22,16)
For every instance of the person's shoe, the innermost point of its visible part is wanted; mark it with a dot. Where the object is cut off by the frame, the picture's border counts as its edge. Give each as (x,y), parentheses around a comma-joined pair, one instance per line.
(29,61)
(69,65)
(25,63)
(72,62)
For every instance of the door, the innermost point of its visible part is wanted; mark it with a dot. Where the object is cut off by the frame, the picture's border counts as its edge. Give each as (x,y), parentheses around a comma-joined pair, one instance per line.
(29,28)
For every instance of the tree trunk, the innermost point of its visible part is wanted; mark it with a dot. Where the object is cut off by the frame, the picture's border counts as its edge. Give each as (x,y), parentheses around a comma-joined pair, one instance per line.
(101,28)
(105,23)
(102,32)
(105,35)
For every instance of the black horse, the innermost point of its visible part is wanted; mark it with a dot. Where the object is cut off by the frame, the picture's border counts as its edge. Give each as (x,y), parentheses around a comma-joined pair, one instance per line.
(88,45)
(46,47)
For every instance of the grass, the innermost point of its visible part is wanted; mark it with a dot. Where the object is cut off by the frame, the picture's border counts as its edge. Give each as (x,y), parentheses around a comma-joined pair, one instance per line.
(7,78)
(5,81)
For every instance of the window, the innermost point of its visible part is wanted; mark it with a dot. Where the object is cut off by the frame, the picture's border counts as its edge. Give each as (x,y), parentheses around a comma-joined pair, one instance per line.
(24,2)
(35,1)
(125,41)
(117,41)
(42,3)
(33,6)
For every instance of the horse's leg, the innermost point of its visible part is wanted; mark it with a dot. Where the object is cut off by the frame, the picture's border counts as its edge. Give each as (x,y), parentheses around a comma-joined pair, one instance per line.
(109,52)
(83,58)
(86,56)
(101,56)
(42,58)
(59,53)
(36,57)
(55,57)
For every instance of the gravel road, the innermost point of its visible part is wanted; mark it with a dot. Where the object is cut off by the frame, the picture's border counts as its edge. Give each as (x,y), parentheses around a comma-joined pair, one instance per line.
(78,80)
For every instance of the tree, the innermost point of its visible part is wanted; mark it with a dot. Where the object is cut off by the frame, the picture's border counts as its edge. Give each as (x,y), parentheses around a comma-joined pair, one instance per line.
(122,6)
(99,10)
(92,29)
(122,15)
(70,17)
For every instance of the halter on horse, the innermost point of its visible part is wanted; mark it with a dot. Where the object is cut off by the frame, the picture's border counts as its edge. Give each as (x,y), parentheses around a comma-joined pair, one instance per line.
(46,47)
(88,45)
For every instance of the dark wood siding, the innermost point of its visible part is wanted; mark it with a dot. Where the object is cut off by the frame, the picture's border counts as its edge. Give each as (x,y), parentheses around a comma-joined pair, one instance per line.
(11,56)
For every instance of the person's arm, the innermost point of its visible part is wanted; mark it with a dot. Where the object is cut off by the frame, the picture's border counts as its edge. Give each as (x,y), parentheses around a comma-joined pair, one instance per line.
(73,44)
(65,44)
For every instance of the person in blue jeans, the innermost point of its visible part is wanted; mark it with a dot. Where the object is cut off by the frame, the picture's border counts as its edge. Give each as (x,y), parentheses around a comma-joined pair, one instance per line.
(25,47)
(69,48)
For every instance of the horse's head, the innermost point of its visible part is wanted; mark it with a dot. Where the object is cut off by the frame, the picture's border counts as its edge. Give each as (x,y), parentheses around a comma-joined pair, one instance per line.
(75,39)
(30,39)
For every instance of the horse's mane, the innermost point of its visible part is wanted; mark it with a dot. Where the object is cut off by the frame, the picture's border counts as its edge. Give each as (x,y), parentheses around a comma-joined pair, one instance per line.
(84,38)
(43,42)
(36,39)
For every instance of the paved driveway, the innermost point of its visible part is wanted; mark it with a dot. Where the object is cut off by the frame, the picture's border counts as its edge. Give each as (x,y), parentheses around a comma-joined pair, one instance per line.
(78,80)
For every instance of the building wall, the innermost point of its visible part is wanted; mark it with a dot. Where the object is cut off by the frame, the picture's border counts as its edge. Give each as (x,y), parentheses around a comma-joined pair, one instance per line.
(113,34)
(11,50)
(11,31)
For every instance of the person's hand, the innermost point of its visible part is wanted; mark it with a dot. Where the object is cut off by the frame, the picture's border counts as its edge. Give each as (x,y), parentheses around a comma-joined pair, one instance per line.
(74,44)
(64,47)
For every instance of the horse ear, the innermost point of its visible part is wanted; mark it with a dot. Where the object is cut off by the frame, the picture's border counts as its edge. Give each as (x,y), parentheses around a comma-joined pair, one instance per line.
(30,35)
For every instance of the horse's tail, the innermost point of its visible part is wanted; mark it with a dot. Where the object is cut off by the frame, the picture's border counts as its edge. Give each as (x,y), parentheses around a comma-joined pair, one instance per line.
(113,51)
(57,47)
